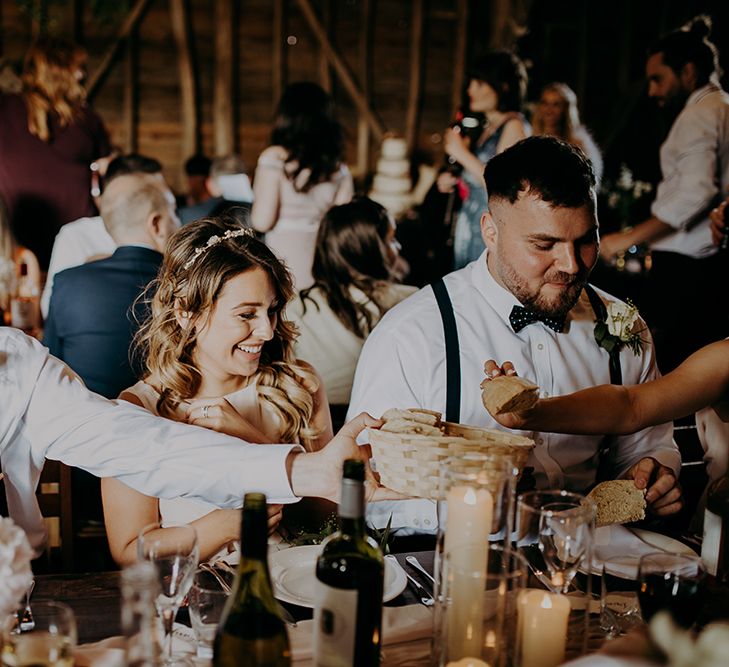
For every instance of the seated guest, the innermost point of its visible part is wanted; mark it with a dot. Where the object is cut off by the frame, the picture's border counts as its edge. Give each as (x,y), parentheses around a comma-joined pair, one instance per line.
(89,326)
(86,239)
(353,288)
(300,176)
(230,192)
(197,172)
(526,299)
(557,115)
(48,413)
(219,354)
(12,257)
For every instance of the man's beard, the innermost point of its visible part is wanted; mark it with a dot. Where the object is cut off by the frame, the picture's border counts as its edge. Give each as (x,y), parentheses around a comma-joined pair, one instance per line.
(558,306)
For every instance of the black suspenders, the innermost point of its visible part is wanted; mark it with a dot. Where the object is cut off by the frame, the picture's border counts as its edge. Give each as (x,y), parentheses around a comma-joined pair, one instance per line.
(453,352)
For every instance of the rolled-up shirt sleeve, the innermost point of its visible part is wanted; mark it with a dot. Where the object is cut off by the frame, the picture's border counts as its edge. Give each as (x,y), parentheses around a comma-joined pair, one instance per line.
(64,421)
(689,161)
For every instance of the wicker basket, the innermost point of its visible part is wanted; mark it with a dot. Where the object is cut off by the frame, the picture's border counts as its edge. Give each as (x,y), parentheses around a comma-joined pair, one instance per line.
(410,463)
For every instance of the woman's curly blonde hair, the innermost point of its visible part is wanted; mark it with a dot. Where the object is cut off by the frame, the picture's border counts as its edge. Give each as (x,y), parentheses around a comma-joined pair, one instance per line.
(50,84)
(167,348)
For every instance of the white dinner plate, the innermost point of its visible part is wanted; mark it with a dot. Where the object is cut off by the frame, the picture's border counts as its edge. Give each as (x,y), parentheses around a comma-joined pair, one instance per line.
(292,573)
(627,545)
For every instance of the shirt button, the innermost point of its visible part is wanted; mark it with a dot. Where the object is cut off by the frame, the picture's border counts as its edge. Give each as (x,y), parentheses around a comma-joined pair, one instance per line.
(416,522)
(540,346)
(546,394)
(540,441)
(427,522)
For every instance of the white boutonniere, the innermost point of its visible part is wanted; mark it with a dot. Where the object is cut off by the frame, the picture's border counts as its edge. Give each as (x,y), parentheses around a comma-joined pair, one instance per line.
(621,327)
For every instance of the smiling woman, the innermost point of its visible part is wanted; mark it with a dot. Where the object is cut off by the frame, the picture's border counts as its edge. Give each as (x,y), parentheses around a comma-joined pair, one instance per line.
(220,355)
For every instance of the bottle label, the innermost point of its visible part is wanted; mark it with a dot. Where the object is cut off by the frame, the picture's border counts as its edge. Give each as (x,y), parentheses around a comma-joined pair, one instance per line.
(711,544)
(335,625)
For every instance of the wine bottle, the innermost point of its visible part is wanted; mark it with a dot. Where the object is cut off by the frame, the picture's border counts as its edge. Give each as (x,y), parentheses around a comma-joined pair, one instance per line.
(715,545)
(348,588)
(251,631)
(140,588)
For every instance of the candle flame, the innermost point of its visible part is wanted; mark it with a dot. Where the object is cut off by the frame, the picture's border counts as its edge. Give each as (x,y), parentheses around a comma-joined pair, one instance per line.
(546,602)
(469,497)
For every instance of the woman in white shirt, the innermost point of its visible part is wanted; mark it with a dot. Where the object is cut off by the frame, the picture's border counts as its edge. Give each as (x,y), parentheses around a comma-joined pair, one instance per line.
(299,177)
(354,287)
(219,355)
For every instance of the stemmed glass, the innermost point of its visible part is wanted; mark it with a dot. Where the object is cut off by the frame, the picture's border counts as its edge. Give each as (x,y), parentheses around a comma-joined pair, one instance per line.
(175,552)
(560,525)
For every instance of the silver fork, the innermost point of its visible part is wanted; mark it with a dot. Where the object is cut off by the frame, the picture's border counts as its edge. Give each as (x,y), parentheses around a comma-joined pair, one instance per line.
(426,598)
(416,564)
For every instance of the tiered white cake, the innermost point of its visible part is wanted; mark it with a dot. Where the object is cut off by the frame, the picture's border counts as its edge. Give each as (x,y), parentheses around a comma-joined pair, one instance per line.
(392,185)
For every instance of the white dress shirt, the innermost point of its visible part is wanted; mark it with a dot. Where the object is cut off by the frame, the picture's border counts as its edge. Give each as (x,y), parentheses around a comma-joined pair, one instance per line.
(76,243)
(403,365)
(47,412)
(695,169)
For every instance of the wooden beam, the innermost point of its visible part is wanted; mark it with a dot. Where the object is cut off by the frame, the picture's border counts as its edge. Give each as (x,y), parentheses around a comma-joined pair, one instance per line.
(365,74)
(325,73)
(278,62)
(341,69)
(412,118)
(131,21)
(500,12)
(130,98)
(189,142)
(223,123)
(459,58)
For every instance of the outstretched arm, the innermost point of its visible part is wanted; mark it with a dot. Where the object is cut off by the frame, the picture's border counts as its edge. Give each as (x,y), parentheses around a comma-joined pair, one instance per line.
(701,380)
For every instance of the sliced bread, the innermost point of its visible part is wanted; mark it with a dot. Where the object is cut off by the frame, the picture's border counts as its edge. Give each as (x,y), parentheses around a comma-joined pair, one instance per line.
(618,501)
(508,393)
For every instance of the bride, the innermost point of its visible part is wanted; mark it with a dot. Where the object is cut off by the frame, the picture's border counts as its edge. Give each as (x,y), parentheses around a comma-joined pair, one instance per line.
(218,354)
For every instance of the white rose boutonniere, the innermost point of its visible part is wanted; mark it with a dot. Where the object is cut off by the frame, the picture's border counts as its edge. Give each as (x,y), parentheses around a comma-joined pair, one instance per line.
(620,327)
(15,572)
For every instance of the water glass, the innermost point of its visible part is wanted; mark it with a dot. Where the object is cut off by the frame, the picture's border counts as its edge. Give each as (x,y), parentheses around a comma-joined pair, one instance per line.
(619,608)
(673,582)
(206,606)
(50,642)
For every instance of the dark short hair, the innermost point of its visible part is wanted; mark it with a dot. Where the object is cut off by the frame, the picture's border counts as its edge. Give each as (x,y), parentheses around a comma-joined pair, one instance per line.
(133,163)
(198,165)
(555,171)
(690,44)
(506,74)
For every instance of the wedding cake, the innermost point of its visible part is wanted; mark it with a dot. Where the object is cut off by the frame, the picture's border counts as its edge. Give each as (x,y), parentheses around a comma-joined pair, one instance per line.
(392,186)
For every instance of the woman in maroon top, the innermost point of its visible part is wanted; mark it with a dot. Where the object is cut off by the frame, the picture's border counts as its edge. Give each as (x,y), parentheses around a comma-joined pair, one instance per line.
(48,139)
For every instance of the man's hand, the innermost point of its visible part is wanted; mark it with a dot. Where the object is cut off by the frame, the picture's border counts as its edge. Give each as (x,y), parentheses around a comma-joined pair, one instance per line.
(614,244)
(718,228)
(664,493)
(319,474)
(514,420)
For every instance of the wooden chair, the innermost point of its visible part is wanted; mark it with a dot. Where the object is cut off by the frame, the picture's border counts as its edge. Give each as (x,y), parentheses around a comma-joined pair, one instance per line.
(54,498)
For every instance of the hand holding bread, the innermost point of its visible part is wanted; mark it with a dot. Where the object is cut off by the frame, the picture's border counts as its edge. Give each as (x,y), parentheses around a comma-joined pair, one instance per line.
(505,395)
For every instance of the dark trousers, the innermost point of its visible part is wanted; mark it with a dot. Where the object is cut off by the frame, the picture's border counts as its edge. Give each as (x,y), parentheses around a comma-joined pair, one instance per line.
(685,304)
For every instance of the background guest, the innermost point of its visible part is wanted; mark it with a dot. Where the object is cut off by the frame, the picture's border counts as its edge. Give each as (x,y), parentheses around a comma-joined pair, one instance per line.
(197,172)
(299,177)
(497,85)
(49,136)
(87,239)
(12,256)
(219,354)
(353,288)
(557,114)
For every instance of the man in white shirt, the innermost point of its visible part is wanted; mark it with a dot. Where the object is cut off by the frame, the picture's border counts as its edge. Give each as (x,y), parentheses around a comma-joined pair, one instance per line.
(685,302)
(48,413)
(86,239)
(526,300)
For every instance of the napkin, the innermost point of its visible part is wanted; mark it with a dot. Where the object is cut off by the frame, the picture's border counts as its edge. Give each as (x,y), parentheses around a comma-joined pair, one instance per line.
(400,625)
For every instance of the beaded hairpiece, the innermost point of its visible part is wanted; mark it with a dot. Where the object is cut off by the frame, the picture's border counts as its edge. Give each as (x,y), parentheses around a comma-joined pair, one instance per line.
(214,240)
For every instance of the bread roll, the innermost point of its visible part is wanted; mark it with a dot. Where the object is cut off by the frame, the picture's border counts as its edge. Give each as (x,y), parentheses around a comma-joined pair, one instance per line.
(508,393)
(413,414)
(618,501)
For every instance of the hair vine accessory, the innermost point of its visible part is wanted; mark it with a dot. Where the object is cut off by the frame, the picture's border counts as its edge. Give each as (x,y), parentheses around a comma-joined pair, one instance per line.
(214,240)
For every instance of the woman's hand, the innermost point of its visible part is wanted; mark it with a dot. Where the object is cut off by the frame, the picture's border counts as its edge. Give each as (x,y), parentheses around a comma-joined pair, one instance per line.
(515,420)
(275,514)
(446,182)
(612,245)
(456,145)
(219,415)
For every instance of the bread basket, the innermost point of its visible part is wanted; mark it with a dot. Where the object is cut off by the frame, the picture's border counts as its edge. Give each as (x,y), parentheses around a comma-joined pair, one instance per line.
(409,463)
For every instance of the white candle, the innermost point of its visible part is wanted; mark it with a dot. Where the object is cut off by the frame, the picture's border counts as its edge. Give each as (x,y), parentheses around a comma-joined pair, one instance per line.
(468,525)
(468,662)
(543,619)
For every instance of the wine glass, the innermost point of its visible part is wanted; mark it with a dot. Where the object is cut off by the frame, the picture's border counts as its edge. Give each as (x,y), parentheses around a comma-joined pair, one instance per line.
(554,531)
(175,552)
(673,582)
(50,642)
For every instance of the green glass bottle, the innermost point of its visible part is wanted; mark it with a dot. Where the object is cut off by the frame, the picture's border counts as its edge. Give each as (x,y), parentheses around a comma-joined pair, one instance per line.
(349,580)
(251,632)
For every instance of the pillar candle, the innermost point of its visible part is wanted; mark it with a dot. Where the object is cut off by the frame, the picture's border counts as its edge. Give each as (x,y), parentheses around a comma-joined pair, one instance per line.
(543,619)
(468,525)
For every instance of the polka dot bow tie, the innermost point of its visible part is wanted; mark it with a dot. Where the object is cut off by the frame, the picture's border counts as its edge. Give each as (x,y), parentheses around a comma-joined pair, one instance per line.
(521,317)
